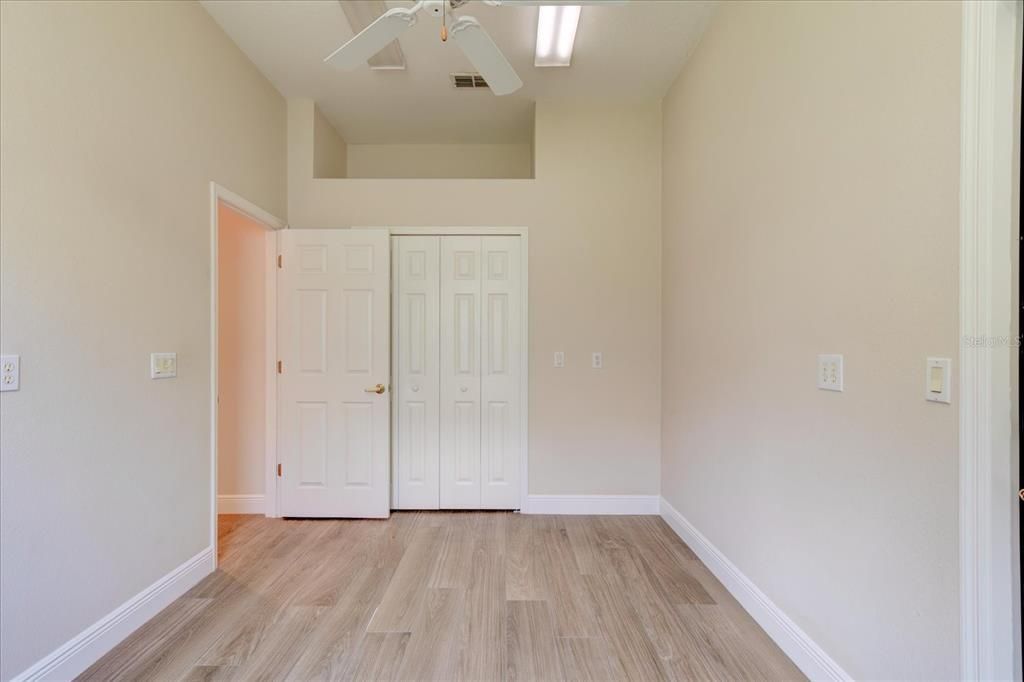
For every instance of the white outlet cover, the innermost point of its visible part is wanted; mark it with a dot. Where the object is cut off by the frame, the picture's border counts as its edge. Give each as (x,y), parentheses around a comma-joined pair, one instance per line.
(163,365)
(830,372)
(10,372)
(597,361)
(559,359)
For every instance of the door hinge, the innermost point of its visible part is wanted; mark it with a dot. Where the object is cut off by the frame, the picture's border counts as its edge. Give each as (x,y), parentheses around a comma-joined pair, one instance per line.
(278,366)
(280,263)
(278,470)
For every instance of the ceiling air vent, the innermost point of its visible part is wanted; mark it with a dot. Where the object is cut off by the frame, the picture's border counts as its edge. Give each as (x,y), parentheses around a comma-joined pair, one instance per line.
(468,81)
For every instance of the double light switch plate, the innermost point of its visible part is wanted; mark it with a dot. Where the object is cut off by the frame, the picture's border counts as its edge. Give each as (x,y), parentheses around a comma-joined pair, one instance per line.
(163,365)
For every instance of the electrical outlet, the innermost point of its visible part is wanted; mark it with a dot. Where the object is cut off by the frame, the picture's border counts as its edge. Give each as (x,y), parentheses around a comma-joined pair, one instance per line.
(596,361)
(10,376)
(559,359)
(830,372)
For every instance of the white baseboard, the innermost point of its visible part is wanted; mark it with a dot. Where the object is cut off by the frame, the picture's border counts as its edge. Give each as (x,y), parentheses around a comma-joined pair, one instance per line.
(591,504)
(240,504)
(77,654)
(801,649)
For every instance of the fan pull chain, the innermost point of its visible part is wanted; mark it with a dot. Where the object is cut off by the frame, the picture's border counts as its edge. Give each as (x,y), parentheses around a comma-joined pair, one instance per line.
(444,21)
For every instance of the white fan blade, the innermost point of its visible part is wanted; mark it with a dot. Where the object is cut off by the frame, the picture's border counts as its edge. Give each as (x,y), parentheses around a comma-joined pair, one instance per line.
(372,39)
(485,56)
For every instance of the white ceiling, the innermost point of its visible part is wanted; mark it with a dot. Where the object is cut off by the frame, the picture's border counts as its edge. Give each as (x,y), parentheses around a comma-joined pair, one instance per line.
(623,51)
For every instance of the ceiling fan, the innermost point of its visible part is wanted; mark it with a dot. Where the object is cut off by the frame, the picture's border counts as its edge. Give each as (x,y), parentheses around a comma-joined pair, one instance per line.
(466,31)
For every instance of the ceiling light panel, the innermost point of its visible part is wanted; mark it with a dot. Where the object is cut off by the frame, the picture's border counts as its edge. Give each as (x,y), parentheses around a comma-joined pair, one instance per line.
(556,34)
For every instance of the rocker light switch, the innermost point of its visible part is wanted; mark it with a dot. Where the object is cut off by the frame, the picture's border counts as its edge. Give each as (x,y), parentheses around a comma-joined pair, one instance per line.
(937,380)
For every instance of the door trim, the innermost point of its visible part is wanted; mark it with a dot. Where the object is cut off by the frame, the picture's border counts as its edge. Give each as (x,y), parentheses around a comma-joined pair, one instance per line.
(524,383)
(220,194)
(991,34)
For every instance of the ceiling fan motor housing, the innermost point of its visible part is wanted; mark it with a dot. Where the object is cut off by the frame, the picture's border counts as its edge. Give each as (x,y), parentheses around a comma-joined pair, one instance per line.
(438,6)
(435,7)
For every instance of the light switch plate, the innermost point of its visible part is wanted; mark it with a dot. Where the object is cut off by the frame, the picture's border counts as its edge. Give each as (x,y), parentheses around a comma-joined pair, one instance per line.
(559,359)
(597,361)
(10,372)
(830,372)
(163,365)
(937,379)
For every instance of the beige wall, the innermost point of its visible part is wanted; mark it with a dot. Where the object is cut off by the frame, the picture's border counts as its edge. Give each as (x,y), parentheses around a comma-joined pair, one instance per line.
(440,161)
(811,178)
(116,117)
(242,360)
(330,152)
(594,219)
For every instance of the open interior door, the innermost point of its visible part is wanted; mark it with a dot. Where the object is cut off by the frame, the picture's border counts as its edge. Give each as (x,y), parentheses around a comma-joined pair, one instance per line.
(333,382)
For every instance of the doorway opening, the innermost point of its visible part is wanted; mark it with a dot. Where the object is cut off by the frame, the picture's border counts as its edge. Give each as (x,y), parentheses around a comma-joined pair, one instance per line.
(243,348)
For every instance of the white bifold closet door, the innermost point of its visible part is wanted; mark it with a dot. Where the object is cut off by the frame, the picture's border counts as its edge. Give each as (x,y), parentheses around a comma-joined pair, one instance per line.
(458,372)
(501,339)
(416,344)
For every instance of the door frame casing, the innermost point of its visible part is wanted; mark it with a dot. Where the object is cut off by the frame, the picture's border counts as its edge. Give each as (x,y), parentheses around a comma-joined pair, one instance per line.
(218,195)
(524,382)
(989,607)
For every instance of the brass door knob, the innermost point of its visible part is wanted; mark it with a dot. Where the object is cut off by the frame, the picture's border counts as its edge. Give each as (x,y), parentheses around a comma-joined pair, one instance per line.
(378,389)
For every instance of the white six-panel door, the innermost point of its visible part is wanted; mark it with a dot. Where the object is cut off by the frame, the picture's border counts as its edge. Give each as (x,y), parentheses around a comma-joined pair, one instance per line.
(416,361)
(333,341)
(458,372)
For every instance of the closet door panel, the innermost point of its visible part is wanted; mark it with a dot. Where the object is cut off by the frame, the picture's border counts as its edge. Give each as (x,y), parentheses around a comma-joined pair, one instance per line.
(417,392)
(501,373)
(460,372)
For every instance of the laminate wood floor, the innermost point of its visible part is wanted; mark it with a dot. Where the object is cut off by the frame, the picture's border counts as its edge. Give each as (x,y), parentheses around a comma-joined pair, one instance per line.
(451,596)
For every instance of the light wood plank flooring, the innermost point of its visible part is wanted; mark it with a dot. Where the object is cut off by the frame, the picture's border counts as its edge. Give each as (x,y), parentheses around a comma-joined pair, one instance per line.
(452,596)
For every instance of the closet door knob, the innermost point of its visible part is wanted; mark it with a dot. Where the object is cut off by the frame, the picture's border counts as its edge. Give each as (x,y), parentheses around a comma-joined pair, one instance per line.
(415,389)
(378,389)
(464,389)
